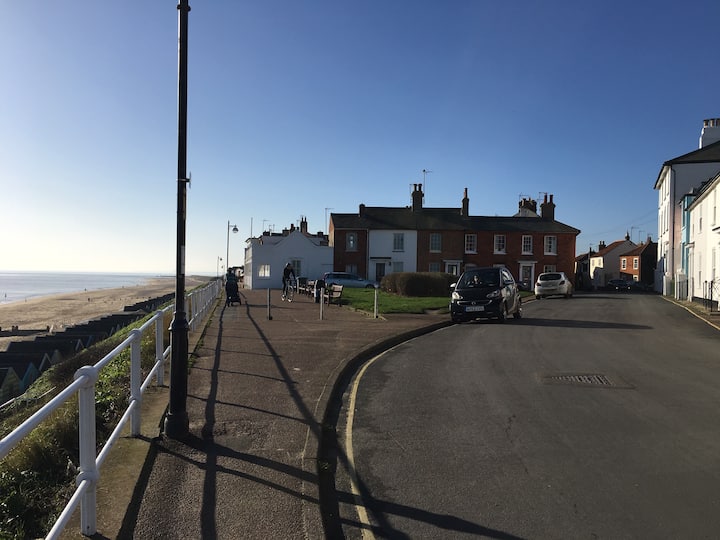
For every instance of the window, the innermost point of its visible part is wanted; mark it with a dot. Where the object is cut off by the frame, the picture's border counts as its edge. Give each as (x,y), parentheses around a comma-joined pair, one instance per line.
(527,244)
(636,263)
(399,242)
(499,243)
(351,241)
(551,245)
(623,263)
(297,267)
(434,267)
(397,266)
(435,242)
(470,243)
(351,268)
(549,268)
(264,271)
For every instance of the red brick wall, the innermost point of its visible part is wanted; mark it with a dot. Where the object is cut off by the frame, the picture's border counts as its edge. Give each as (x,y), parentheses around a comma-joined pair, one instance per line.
(341,257)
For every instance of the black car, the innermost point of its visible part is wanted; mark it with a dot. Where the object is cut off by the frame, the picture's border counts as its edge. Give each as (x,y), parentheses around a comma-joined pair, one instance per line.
(618,285)
(485,293)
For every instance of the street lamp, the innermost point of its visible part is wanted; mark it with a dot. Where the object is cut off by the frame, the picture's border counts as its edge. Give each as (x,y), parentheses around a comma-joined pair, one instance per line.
(176,420)
(227,255)
(219,260)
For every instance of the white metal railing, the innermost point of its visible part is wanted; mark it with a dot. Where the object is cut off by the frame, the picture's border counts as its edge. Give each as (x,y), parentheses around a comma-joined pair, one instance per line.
(200,302)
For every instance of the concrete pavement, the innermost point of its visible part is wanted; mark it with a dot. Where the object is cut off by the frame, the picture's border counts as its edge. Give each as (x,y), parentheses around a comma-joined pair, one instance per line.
(257,393)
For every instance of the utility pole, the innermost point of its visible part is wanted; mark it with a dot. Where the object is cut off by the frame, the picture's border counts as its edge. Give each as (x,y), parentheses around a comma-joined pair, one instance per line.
(176,421)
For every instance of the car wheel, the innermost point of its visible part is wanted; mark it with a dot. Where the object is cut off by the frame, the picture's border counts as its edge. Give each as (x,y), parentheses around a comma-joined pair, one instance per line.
(502,317)
(518,313)
(538,297)
(456,320)
(369,286)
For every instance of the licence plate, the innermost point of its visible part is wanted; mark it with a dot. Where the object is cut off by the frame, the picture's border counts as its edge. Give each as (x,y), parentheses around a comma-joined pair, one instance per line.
(474,308)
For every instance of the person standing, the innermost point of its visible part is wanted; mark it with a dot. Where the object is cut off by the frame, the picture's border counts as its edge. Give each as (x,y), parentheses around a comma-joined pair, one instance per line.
(288,274)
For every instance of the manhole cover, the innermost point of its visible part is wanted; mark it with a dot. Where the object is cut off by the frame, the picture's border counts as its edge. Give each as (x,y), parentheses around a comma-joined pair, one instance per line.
(581,379)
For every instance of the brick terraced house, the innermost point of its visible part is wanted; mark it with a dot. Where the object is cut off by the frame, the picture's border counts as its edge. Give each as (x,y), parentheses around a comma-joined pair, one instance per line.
(379,240)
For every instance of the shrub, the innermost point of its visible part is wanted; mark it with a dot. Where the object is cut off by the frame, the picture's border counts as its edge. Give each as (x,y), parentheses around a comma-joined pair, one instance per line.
(418,283)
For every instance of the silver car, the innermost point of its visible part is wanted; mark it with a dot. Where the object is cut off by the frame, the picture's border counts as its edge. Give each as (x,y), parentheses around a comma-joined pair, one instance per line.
(347,280)
(553,283)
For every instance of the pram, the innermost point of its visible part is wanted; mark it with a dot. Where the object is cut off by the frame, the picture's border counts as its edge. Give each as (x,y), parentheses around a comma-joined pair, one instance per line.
(232,293)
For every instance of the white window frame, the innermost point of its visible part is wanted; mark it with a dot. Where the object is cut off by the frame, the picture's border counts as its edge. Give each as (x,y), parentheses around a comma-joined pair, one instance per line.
(527,244)
(636,263)
(499,244)
(623,263)
(263,271)
(471,243)
(550,246)
(351,241)
(398,241)
(435,243)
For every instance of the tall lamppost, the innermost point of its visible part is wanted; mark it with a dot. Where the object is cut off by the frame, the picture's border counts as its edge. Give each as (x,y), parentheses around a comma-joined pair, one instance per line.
(227,255)
(219,260)
(177,425)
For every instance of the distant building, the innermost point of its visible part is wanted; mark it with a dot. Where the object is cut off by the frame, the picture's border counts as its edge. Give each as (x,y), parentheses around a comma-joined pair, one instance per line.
(267,255)
(605,262)
(639,263)
(376,241)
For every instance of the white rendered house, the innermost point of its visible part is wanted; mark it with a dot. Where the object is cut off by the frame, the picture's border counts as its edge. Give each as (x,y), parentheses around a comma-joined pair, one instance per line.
(677,178)
(267,255)
(703,247)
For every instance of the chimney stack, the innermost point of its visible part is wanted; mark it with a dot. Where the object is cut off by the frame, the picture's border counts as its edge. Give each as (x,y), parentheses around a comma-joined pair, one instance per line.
(710,132)
(547,208)
(417,198)
(303,225)
(465,210)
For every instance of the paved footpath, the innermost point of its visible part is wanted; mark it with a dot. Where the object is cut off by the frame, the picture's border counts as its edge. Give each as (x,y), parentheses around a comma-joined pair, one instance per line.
(257,393)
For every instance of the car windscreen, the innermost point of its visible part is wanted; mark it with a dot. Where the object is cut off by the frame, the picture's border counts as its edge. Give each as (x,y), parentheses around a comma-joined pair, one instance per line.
(481,278)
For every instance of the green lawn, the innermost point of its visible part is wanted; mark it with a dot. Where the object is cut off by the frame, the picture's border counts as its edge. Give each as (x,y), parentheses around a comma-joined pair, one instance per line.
(364,299)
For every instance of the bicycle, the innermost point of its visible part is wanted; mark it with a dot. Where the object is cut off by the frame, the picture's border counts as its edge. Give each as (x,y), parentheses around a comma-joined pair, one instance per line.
(289,290)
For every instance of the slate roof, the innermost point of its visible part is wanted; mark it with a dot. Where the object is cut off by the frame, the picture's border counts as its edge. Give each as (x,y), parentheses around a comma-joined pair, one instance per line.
(707,154)
(376,217)
(638,250)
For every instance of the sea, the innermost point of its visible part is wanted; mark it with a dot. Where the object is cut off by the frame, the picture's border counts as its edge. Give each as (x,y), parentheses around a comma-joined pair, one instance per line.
(19,286)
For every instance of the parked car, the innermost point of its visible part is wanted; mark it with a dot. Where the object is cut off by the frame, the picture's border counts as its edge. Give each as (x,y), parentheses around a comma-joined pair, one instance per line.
(484,293)
(347,280)
(553,283)
(618,285)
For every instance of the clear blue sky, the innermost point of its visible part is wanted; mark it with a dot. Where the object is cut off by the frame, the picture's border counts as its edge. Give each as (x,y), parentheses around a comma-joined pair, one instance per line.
(296,108)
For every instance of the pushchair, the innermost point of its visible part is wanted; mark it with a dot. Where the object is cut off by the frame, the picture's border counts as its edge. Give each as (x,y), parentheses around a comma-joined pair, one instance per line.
(232,293)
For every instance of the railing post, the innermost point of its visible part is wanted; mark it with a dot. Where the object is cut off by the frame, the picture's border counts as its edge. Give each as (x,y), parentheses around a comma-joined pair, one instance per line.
(136,381)
(269,315)
(322,301)
(160,348)
(87,446)
(376,303)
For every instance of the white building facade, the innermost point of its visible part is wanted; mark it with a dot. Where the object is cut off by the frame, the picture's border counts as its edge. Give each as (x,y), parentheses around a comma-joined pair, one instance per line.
(391,251)
(703,249)
(677,178)
(267,255)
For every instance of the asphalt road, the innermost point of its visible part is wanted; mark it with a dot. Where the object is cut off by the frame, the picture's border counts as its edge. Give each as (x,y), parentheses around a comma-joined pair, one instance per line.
(594,417)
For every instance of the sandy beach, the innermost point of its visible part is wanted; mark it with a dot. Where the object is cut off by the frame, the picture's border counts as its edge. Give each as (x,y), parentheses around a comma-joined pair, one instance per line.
(62,310)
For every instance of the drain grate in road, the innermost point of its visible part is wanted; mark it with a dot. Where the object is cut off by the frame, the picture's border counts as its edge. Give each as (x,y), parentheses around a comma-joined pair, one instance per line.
(582,379)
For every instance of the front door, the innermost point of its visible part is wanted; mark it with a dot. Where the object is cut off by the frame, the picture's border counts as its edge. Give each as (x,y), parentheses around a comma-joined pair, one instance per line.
(526,276)
(379,271)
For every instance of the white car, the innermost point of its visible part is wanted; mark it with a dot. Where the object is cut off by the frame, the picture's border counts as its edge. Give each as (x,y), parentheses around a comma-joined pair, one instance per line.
(553,283)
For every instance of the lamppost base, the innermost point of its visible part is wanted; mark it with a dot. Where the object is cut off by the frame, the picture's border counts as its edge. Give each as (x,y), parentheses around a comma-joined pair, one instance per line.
(177,425)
